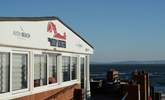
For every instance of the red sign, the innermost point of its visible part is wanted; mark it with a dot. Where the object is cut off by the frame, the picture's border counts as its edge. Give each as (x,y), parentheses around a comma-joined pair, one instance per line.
(52,28)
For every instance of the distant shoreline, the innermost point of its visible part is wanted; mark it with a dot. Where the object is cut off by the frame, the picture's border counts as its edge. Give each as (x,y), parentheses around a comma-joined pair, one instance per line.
(133,62)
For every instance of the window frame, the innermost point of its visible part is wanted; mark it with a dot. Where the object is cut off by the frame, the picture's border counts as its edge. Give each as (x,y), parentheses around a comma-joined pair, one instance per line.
(42,86)
(57,69)
(84,70)
(77,67)
(9,92)
(62,80)
(47,86)
(28,73)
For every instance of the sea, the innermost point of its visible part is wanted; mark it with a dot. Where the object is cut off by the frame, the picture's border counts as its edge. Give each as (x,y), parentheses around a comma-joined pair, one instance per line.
(156,73)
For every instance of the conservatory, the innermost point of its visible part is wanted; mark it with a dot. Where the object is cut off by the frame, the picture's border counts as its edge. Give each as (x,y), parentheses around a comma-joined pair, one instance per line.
(39,56)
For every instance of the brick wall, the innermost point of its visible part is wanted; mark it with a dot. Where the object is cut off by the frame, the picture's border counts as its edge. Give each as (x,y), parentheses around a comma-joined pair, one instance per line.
(65,93)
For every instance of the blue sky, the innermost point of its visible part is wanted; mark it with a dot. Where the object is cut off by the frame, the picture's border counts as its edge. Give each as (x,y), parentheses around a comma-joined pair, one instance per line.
(119,30)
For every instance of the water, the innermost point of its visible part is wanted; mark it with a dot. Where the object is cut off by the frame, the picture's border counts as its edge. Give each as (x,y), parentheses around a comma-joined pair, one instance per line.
(156,72)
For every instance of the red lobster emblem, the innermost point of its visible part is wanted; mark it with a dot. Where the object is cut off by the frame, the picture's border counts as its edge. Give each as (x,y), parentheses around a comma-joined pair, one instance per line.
(52,28)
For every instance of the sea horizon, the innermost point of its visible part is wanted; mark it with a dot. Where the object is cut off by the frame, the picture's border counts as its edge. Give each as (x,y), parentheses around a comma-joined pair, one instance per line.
(132,62)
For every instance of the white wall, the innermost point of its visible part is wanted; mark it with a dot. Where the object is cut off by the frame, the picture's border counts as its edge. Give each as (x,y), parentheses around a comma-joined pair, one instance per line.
(39,36)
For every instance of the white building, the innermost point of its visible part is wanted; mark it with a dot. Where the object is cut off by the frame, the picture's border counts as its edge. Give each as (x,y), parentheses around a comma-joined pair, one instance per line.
(39,54)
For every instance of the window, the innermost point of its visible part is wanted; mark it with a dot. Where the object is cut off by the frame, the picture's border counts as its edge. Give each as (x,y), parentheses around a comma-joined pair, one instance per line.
(19,71)
(4,72)
(52,68)
(66,68)
(40,70)
(74,68)
(82,72)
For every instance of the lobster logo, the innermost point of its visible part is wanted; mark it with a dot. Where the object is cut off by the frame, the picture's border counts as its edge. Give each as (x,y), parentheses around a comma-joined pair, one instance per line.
(52,28)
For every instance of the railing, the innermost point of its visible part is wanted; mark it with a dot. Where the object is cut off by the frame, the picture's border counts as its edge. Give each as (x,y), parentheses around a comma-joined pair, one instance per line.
(125,96)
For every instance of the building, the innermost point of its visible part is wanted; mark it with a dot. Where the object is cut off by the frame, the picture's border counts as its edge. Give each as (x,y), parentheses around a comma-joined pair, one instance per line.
(41,56)
(142,78)
(133,92)
(112,75)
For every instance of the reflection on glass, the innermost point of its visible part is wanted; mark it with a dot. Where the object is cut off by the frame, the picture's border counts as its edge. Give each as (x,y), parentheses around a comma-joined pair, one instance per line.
(74,68)
(4,72)
(19,71)
(40,70)
(66,68)
(82,73)
(52,68)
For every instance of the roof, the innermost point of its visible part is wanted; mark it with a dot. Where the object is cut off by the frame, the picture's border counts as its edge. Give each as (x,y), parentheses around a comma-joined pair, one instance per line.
(42,19)
(27,18)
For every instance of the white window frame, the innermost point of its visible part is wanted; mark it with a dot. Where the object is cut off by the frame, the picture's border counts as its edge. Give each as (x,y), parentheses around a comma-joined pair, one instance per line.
(57,66)
(85,74)
(4,50)
(84,57)
(28,73)
(59,72)
(69,69)
(77,67)
(43,87)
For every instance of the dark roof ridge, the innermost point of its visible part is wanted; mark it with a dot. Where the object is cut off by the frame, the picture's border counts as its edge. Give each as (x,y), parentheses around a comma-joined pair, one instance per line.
(27,18)
(74,32)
